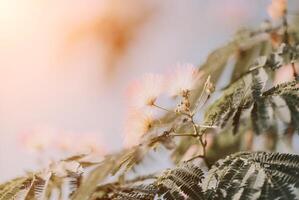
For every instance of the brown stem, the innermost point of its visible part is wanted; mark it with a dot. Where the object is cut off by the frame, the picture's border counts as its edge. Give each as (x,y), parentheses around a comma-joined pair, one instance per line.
(195,157)
(201,139)
(198,104)
(188,135)
(165,109)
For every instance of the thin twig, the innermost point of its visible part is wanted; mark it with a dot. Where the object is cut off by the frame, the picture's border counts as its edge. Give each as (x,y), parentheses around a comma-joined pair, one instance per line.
(201,139)
(207,126)
(165,109)
(188,135)
(201,96)
(195,157)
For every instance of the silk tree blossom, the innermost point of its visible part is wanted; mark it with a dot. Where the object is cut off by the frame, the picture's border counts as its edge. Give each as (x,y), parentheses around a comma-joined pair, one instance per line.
(138,124)
(183,80)
(277,8)
(145,92)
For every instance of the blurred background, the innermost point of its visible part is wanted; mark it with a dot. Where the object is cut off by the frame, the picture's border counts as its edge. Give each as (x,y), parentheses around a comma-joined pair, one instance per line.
(65,66)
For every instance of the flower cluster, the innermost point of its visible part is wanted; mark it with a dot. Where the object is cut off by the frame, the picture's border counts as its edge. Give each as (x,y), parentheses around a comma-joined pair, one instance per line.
(183,80)
(143,95)
(144,92)
(137,124)
(277,8)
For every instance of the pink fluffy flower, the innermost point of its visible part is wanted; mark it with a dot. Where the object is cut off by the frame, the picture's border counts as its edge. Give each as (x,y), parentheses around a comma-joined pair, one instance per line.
(138,124)
(144,92)
(183,79)
(277,8)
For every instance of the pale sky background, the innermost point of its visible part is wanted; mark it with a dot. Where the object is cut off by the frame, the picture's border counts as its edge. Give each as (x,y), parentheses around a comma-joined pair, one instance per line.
(48,84)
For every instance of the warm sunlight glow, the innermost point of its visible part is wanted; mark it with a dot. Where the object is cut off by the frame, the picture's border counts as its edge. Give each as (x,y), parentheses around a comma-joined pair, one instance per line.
(8,10)
(14,16)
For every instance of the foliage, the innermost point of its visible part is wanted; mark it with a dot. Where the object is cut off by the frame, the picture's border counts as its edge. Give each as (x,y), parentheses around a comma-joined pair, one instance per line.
(243,175)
